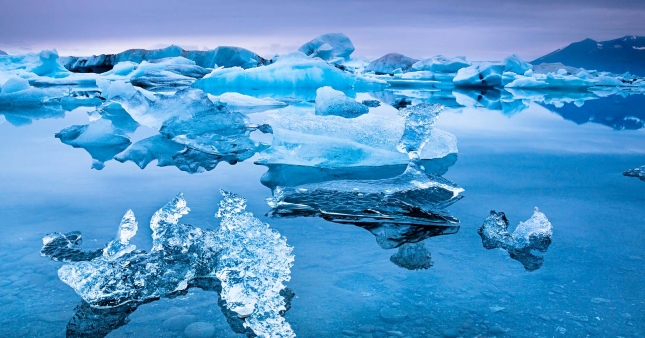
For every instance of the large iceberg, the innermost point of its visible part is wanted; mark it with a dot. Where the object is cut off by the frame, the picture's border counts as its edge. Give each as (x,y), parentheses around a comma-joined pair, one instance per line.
(441,64)
(302,138)
(390,63)
(532,235)
(329,46)
(244,260)
(293,70)
(44,63)
(224,56)
(334,102)
(636,172)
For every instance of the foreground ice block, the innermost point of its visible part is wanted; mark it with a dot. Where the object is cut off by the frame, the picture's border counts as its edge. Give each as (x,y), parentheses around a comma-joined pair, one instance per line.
(533,234)
(636,172)
(329,46)
(334,102)
(244,260)
(293,70)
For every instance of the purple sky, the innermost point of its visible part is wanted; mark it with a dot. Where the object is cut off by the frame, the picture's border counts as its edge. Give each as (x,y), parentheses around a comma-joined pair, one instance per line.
(478,29)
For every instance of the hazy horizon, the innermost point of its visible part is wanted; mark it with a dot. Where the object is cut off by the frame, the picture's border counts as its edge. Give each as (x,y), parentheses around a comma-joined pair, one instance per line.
(479,30)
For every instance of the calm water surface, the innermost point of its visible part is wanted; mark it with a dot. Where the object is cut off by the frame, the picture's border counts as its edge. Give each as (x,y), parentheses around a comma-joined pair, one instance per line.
(565,159)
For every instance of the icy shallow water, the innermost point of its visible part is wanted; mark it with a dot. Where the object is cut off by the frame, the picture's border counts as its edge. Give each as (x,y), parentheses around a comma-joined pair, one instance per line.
(345,284)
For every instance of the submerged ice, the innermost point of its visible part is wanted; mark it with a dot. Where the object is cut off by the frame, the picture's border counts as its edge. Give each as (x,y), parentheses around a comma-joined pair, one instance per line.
(533,234)
(636,172)
(244,260)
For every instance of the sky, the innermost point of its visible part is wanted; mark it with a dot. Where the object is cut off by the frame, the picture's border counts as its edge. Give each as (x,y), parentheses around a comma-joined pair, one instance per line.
(477,29)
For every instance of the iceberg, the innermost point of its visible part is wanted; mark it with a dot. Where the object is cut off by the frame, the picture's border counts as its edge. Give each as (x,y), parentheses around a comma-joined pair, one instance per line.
(99,138)
(293,70)
(334,102)
(484,74)
(302,138)
(401,210)
(329,46)
(534,234)
(32,65)
(244,261)
(14,84)
(414,197)
(636,172)
(441,64)
(388,64)
(224,56)
(245,103)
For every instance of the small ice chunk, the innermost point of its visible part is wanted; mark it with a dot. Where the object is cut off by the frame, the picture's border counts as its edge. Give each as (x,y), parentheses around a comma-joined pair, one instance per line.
(412,256)
(533,234)
(334,102)
(636,172)
(98,133)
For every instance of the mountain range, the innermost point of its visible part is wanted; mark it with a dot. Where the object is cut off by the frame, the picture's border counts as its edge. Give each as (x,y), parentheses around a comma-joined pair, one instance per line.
(618,56)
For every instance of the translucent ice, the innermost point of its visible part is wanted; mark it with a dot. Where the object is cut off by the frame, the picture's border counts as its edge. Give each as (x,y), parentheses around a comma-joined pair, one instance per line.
(329,46)
(244,260)
(389,63)
(245,103)
(534,234)
(301,138)
(334,102)
(413,197)
(636,172)
(293,70)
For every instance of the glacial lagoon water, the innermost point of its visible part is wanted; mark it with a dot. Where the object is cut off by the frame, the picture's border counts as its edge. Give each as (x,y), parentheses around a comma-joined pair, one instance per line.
(564,155)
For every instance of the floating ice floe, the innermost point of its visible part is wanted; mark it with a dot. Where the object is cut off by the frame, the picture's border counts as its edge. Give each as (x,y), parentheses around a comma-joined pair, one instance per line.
(99,138)
(534,234)
(408,208)
(244,261)
(245,103)
(302,138)
(636,172)
(329,46)
(334,102)
(441,64)
(293,70)
(391,63)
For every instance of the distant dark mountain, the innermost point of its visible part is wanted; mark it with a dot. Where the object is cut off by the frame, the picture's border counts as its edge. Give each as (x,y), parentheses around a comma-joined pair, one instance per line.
(3,52)
(618,56)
